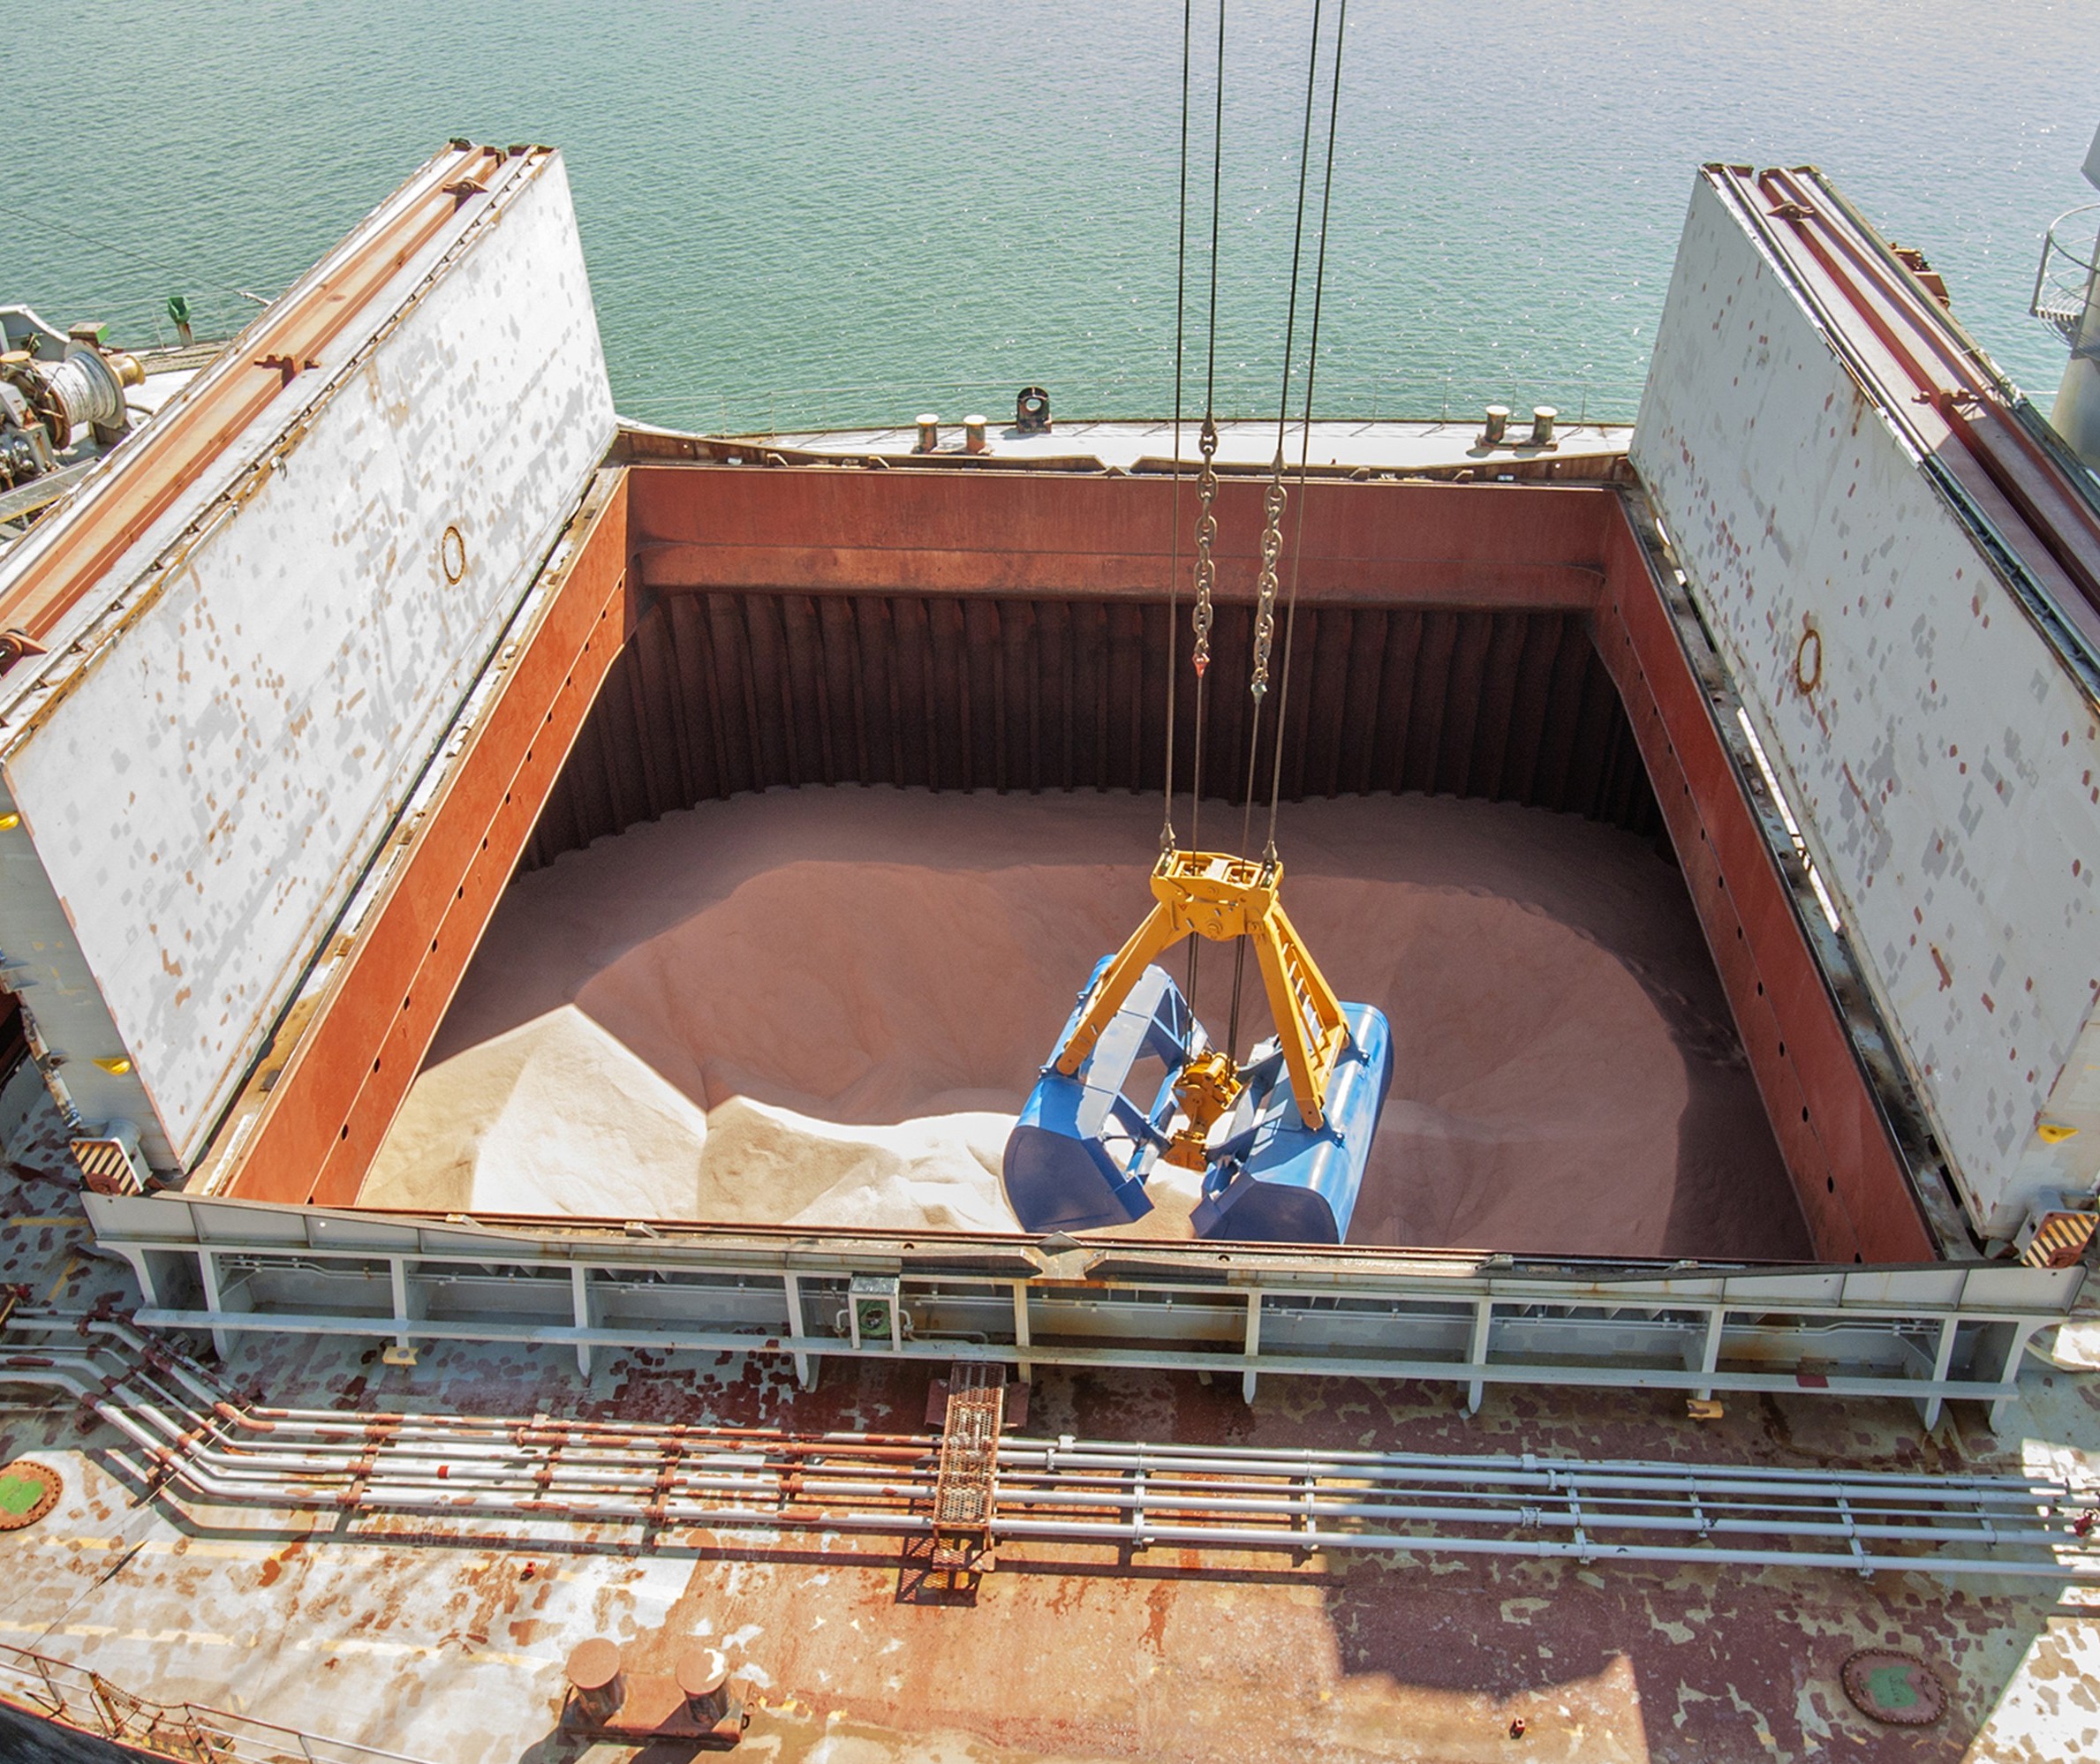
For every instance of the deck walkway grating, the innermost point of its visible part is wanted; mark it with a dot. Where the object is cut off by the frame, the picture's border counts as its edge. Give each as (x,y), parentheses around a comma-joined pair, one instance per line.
(963,1484)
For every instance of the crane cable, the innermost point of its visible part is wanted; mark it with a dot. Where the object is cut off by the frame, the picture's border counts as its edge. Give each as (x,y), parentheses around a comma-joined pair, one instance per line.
(1297,551)
(1273,497)
(1206,486)
(1181,279)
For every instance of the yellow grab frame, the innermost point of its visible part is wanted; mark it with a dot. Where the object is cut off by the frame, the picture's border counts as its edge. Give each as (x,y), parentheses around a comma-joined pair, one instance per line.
(1215,895)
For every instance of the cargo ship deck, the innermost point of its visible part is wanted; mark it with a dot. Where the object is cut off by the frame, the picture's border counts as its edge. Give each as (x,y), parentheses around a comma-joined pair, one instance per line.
(381,1612)
(319,688)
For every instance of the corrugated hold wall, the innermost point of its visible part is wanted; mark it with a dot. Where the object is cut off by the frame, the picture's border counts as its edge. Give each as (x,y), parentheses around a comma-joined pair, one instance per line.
(723,692)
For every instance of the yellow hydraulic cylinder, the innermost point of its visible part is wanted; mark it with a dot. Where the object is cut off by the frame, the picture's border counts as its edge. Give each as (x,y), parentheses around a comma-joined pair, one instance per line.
(1208,1086)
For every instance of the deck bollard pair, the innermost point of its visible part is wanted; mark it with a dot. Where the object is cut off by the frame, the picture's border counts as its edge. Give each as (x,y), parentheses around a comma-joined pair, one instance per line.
(929,433)
(691,1702)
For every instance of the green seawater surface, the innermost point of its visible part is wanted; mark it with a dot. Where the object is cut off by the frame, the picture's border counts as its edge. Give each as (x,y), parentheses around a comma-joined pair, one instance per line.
(834,211)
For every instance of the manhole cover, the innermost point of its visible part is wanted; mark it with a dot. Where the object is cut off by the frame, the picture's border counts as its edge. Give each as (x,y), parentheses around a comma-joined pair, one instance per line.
(1894,1687)
(27,1492)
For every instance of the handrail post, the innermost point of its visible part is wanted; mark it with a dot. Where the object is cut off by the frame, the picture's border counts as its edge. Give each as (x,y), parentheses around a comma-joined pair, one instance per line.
(43,1672)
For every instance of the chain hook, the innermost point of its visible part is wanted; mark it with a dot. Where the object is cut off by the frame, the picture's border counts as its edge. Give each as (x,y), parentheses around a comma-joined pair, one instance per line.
(1272,548)
(1207,536)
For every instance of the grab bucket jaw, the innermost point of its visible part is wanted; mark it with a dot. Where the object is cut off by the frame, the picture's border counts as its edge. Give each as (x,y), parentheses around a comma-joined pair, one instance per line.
(1078,1157)
(1273,1180)
(1080,1153)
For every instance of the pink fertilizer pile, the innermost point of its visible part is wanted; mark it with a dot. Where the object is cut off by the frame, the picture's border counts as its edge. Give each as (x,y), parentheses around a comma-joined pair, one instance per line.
(825,1007)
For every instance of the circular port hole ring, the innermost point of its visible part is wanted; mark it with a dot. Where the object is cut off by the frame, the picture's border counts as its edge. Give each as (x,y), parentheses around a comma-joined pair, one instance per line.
(452,555)
(1808,661)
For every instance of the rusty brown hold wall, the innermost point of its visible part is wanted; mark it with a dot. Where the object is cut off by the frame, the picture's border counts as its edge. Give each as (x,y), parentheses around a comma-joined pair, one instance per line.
(718,693)
(959,632)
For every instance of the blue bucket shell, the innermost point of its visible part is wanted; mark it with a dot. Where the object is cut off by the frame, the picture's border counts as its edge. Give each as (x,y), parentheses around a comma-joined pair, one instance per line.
(1078,1156)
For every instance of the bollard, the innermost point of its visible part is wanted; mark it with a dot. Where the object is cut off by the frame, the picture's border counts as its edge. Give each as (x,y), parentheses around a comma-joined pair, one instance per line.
(1543,417)
(973,434)
(594,1676)
(929,432)
(704,1682)
(1497,426)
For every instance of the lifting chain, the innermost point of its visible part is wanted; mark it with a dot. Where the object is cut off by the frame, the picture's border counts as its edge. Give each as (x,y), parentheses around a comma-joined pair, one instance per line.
(1265,609)
(1206,535)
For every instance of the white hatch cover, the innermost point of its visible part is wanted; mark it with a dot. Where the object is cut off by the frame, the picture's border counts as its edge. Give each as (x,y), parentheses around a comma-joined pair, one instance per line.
(244,685)
(1910,648)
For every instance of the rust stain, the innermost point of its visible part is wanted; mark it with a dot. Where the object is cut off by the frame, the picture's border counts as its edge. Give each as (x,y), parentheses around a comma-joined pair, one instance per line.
(1156,1605)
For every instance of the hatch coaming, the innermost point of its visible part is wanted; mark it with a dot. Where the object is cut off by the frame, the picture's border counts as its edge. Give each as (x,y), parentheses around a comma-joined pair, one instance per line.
(724,686)
(205,773)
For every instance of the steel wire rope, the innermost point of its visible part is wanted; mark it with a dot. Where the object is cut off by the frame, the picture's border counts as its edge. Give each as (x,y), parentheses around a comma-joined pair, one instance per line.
(1258,684)
(1313,351)
(1206,523)
(1180,282)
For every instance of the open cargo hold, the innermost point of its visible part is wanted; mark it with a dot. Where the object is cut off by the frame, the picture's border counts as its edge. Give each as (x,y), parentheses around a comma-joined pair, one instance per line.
(300,1145)
(1038,591)
(831,625)
(825,1006)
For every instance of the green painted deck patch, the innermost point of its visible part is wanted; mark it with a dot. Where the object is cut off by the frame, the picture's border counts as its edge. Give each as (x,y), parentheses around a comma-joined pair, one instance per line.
(1894,1687)
(19,1493)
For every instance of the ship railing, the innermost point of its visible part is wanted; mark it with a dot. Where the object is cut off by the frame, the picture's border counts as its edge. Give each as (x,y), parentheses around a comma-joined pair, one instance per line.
(2066,277)
(497,1468)
(1357,396)
(79,1697)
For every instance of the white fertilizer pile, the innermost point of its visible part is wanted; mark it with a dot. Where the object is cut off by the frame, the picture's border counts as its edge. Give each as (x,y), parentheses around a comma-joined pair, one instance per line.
(823,1008)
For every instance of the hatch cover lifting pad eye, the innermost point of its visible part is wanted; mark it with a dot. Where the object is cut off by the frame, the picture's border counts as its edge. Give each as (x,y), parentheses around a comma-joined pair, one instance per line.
(452,555)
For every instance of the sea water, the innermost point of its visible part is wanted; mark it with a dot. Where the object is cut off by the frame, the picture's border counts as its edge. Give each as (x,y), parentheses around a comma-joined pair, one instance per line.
(800,212)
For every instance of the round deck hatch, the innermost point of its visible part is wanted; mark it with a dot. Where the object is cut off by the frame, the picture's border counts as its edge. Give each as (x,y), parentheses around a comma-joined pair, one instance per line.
(1898,1688)
(28,1490)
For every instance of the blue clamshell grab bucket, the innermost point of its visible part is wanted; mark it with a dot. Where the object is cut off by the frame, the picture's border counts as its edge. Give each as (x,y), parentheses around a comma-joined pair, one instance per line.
(1079,1155)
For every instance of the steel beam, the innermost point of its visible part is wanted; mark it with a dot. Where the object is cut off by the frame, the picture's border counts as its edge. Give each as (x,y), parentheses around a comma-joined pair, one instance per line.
(828,531)
(1925,1335)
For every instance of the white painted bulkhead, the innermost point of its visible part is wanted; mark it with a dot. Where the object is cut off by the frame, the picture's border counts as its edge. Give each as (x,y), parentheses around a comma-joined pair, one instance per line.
(1943,759)
(225,733)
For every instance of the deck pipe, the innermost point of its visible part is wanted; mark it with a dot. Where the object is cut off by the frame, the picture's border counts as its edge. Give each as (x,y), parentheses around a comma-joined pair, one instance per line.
(1165,1483)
